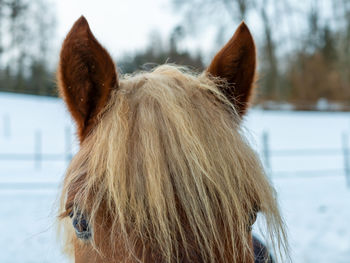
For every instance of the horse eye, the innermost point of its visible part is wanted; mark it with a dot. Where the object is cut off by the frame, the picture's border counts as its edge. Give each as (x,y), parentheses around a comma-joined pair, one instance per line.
(81,226)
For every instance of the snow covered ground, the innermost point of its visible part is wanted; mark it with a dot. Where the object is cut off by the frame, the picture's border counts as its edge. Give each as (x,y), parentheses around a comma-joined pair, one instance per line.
(312,189)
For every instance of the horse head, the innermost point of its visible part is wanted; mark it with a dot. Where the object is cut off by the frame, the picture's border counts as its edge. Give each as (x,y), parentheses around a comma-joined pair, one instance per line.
(164,172)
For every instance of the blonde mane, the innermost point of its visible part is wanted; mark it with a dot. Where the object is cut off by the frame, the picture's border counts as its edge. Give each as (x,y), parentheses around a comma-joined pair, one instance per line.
(167,172)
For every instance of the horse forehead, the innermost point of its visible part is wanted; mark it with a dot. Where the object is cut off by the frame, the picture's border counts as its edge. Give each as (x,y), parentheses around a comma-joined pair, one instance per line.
(130,83)
(161,74)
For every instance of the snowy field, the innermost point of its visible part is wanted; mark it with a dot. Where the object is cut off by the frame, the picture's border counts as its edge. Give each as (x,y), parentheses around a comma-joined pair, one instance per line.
(312,188)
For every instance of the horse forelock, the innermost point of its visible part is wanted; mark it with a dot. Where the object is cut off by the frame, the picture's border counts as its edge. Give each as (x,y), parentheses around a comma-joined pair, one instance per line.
(167,175)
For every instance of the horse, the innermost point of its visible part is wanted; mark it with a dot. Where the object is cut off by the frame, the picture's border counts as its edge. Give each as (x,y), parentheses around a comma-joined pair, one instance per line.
(164,172)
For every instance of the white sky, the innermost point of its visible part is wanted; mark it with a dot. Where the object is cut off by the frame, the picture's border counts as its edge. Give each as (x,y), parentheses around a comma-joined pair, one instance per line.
(123,26)
(120,25)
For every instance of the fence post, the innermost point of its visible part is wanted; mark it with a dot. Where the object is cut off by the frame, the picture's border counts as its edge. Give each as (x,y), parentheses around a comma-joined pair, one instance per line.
(68,145)
(266,152)
(38,149)
(7,128)
(346,158)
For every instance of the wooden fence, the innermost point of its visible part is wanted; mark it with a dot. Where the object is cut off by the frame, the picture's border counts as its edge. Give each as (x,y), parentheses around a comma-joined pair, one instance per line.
(268,153)
(38,157)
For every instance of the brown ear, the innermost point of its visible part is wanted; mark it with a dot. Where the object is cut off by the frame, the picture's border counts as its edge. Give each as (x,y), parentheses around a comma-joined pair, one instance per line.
(236,63)
(86,76)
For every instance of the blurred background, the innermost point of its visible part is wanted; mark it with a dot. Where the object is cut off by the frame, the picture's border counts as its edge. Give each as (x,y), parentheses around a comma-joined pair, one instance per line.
(299,122)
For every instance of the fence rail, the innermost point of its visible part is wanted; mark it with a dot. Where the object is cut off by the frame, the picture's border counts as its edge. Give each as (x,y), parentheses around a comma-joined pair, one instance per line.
(38,157)
(344,152)
(33,157)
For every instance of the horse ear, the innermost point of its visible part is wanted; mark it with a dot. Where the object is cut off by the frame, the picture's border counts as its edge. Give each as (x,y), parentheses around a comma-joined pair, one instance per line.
(236,63)
(86,75)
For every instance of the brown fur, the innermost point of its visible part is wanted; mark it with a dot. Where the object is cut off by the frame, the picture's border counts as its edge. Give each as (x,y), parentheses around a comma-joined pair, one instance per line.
(236,63)
(164,172)
(86,75)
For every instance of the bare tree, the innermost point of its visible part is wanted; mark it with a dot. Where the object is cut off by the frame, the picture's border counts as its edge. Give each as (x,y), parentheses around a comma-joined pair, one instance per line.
(227,13)
(26,34)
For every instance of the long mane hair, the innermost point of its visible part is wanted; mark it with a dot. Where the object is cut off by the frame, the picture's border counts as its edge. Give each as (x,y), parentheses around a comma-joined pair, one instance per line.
(167,174)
